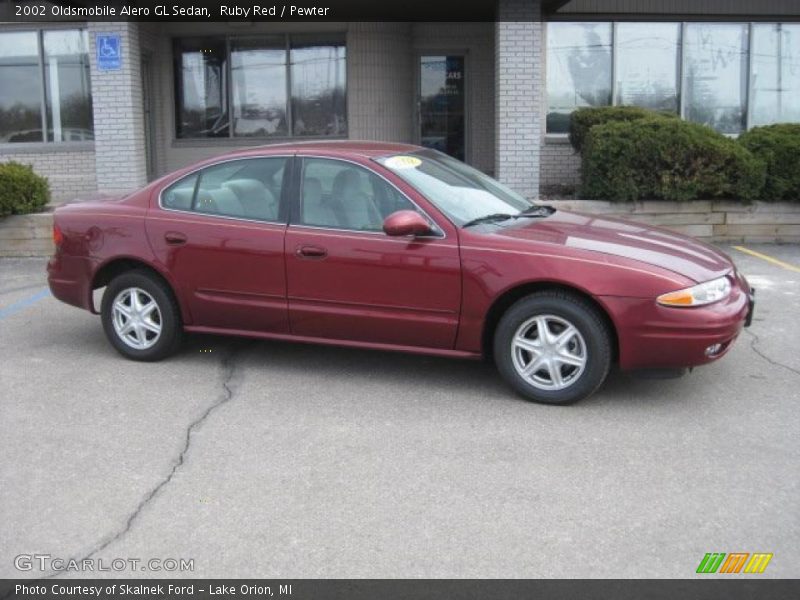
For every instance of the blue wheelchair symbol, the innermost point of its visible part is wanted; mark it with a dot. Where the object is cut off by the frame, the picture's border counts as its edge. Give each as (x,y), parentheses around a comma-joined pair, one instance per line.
(109,52)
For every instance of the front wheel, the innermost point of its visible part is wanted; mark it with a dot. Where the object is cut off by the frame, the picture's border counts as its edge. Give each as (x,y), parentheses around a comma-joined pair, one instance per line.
(553,347)
(140,316)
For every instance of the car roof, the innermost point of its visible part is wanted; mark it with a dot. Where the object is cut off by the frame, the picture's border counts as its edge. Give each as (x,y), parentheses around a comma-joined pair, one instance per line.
(362,148)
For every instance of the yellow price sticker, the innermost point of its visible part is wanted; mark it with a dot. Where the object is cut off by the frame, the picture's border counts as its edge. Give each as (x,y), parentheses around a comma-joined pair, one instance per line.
(403,162)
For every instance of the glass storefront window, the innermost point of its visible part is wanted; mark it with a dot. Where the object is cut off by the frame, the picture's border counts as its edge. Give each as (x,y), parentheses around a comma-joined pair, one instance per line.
(775,66)
(578,70)
(318,73)
(45,70)
(699,70)
(258,74)
(280,86)
(715,75)
(20,88)
(201,102)
(67,82)
(648,65)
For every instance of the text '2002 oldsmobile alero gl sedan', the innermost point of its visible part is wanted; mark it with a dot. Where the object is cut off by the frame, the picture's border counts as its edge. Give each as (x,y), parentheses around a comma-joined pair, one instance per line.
(394,247)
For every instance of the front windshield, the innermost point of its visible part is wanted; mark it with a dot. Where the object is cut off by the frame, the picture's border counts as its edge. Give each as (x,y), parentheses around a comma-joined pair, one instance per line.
(461,192)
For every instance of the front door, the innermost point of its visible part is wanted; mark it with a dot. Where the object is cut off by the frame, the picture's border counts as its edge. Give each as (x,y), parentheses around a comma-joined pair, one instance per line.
(348,280)
(442,104)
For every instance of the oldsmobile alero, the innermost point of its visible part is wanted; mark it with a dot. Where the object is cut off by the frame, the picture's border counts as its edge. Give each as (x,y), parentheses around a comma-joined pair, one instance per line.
(395,247)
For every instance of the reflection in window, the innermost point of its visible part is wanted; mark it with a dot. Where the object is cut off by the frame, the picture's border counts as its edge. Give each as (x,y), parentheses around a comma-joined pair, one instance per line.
(578,70)
(261,68)
(716,75)
(201,103)
(648,60)
(60,58)
(20,88)
(66,77)
(258,73)
(318,86)
(775,60)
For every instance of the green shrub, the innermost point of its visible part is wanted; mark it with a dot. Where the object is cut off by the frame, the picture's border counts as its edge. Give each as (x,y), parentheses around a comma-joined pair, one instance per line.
(21,190)
(778,146)
(583,119)
(667,159)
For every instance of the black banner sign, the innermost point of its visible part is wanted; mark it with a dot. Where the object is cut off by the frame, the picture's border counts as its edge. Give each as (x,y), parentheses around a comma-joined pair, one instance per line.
(391,589)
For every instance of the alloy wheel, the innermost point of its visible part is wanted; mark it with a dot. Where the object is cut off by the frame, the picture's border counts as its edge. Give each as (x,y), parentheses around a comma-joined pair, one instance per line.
(549,352)
(136,318)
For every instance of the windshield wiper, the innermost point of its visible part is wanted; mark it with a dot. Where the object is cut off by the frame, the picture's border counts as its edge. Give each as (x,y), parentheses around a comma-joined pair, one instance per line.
(489,219)
(534,211)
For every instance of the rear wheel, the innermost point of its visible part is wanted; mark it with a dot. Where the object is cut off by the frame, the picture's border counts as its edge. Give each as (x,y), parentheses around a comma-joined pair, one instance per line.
(553,347)
(140,316)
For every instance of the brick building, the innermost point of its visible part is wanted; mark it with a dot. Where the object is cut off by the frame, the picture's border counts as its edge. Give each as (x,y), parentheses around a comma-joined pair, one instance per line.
(496,95)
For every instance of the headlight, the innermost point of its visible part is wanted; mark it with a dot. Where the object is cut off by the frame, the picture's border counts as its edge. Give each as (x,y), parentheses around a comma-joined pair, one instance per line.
(698,295)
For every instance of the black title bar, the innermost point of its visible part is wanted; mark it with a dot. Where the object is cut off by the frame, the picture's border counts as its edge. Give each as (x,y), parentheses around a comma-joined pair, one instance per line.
(398,589)
(248,10)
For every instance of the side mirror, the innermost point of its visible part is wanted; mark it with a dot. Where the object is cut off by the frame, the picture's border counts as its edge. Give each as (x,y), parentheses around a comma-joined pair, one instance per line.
(406,222)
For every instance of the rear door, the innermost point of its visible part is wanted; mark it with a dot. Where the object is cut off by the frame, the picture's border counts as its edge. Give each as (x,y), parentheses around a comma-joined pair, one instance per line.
(348,280)
(220,232)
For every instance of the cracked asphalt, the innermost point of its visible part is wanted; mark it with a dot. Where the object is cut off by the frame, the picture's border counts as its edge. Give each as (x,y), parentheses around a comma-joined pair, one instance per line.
(266,459)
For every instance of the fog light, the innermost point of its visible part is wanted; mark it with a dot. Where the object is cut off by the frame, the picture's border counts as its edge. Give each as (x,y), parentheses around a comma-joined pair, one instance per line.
(713,349)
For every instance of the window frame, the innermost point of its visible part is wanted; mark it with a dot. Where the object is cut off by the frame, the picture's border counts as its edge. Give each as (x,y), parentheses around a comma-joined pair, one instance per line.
(45,145)
(297,199)
(285,196)
(231,139)
(558,137)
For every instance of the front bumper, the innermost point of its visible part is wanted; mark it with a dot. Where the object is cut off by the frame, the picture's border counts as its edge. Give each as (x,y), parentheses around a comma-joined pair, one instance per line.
(659,337)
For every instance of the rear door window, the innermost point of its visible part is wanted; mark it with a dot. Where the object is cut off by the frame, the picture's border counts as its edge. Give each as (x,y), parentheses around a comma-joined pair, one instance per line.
(245,189)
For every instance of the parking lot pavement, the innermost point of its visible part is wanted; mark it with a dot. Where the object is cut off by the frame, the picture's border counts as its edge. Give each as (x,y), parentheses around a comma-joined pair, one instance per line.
(286,460)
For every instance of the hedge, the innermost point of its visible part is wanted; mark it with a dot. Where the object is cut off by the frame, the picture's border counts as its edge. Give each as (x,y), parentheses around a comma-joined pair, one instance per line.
(667,159)
(778,146)
(21,190)
(583,119)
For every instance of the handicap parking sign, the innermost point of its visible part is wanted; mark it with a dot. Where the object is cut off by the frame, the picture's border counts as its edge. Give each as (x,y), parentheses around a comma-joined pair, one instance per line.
(109,52)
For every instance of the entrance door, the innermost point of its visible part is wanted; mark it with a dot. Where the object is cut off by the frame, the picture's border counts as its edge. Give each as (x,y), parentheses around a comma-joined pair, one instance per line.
(442,104)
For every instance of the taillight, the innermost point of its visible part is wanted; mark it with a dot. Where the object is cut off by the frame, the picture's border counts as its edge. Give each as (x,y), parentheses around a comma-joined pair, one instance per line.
(58,237)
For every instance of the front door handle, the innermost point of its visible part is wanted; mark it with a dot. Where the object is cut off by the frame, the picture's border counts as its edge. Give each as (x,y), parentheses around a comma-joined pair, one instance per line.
(175,238)
(311,252)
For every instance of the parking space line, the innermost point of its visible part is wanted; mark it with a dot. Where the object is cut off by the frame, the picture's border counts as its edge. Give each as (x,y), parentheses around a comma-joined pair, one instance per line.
(23,304)
(768,258)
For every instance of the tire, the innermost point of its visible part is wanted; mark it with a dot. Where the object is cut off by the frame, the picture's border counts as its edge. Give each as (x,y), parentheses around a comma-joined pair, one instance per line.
(141,341)
(573,363)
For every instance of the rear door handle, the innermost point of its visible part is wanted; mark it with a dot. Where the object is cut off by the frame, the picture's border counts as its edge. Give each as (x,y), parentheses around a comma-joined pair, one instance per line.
(311,252)
(175,238)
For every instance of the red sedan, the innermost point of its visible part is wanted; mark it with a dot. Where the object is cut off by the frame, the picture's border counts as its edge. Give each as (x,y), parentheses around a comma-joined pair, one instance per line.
(395,247)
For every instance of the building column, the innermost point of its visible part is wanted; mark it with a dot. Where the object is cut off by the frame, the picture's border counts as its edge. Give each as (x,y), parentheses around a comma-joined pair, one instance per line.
(380,81)
(119,136)
(519,93)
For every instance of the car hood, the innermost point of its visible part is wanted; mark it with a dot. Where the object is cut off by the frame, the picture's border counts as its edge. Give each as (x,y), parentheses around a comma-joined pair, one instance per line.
(665,249)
